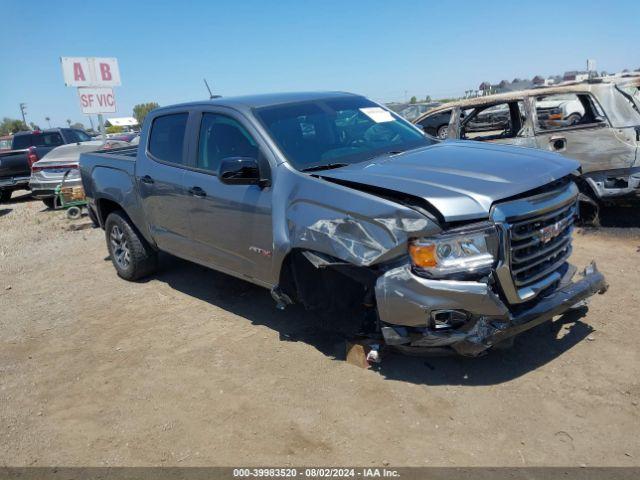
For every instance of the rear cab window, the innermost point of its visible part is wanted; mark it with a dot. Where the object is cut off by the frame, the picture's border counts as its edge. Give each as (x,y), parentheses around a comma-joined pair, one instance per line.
(40,139)
(166,140)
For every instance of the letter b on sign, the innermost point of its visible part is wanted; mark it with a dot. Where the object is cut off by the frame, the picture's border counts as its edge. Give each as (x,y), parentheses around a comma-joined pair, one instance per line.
(105,72)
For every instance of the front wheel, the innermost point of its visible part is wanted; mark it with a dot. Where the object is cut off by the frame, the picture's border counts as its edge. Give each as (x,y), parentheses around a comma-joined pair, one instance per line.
(131,255)
(443,131)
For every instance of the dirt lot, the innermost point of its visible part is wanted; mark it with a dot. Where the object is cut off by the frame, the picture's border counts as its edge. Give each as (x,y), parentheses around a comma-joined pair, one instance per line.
(192,367)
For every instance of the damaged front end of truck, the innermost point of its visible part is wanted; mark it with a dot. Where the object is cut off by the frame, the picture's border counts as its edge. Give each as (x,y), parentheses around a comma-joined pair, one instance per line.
(426,286)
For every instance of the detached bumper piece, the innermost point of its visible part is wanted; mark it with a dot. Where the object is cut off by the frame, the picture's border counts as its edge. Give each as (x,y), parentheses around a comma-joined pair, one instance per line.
(484,329)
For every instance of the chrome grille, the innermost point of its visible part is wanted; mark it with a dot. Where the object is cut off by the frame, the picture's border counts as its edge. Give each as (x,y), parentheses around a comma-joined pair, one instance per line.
(540,245)
(535,233)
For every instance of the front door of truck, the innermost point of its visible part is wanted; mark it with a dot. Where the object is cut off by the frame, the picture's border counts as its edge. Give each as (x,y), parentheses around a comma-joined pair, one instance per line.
(160,178)
(231,224)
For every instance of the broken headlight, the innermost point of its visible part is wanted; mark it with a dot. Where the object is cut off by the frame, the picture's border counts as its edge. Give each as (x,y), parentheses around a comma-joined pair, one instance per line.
(469,251)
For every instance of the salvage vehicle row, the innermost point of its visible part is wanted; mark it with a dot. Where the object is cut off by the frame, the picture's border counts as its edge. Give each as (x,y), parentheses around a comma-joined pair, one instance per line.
(595,122)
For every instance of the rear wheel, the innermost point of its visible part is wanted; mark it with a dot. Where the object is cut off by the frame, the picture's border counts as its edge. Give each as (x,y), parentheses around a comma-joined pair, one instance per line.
(131,255)
(50,202)
(5,195)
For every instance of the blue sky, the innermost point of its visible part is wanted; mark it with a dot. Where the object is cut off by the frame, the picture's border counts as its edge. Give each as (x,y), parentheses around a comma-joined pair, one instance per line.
(378,48)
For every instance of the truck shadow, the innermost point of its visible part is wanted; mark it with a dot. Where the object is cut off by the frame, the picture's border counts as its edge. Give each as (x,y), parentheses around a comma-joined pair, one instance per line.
(15,198)
(620,217)
(4,211)
(532,349)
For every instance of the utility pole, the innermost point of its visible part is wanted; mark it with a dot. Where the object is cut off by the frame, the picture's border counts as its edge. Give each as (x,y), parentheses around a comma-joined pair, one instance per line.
(23,109)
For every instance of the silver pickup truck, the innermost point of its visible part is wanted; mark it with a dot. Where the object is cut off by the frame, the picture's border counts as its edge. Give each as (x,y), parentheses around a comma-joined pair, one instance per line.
(330,200)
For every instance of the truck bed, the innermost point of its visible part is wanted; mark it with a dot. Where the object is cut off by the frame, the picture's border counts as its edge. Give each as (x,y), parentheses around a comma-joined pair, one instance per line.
(118,158)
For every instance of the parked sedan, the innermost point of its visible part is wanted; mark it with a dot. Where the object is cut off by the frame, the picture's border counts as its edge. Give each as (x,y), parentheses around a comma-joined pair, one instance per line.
(47,174)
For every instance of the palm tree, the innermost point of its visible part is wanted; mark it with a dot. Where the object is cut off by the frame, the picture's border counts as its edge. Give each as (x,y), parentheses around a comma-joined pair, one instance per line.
(48,121)
(68,122)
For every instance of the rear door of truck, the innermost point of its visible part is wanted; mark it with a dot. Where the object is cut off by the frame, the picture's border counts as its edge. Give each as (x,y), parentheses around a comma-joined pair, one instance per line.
(160,176)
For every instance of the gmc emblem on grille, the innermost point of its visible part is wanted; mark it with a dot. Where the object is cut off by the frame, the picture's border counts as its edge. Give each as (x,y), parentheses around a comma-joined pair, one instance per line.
(546,234)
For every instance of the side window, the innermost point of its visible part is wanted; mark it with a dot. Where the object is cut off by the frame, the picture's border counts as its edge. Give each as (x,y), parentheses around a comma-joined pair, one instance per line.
(51,140)
(222,137)
(566,110)
(77,135)
(494,122)
(166,140)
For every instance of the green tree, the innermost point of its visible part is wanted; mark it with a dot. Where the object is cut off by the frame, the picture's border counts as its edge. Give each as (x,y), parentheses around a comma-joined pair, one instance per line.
(114,129)
(140,110)
(413,100)
(11,125)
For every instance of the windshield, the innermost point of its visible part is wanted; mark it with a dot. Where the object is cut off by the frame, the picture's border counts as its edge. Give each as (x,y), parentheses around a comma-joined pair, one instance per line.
(336,132)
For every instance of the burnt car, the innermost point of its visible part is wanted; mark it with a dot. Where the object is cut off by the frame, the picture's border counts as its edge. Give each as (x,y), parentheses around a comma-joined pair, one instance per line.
(595,122)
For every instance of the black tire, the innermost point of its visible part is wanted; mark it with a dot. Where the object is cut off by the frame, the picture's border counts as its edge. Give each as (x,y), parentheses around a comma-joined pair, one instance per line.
(50,202)
(74,213)
(132,257)
(574,118)
(442,132)
(5,195)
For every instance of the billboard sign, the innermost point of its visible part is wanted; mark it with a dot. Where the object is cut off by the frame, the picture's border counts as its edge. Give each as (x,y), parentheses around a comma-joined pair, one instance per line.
(90,72)
(97,100)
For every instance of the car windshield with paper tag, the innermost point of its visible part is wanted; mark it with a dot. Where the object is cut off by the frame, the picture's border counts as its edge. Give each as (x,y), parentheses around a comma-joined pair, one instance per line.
(335,133)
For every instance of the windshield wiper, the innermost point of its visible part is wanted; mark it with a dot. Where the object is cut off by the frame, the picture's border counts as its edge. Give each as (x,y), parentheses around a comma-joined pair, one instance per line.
(328,166)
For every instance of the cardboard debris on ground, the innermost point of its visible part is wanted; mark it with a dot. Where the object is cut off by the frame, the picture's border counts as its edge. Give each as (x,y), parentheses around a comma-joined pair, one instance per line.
(362,352)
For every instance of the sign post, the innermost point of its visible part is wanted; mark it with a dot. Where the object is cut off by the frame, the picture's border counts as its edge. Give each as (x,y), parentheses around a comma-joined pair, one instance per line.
(94,78)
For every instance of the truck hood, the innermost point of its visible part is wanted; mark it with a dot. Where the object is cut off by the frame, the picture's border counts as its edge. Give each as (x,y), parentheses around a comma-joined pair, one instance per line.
(461,179)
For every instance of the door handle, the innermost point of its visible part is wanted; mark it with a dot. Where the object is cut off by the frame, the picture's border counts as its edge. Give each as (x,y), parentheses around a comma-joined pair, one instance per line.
(197,192)
(147,179)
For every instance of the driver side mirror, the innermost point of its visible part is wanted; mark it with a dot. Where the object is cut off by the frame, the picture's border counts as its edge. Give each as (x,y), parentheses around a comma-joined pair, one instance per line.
(240,171)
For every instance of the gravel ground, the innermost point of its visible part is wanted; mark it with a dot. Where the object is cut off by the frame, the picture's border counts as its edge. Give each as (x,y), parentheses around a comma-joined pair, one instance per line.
(192,367)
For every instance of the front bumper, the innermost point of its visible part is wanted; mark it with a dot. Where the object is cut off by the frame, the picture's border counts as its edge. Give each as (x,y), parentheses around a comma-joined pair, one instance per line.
(47,188)
(406,303)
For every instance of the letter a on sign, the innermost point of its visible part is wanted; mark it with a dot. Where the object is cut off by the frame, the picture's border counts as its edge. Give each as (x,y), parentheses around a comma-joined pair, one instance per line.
(78,74)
